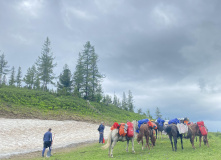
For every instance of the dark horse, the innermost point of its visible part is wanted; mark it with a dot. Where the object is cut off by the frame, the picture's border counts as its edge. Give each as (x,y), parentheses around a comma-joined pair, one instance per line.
(147,132)
(193,130)
(172,131)
(159,129)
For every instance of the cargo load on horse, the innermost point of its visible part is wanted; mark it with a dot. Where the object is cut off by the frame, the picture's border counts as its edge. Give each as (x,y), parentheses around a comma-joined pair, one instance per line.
(140,122)
(202,128)
(123,129)
(130,129)
(174,121)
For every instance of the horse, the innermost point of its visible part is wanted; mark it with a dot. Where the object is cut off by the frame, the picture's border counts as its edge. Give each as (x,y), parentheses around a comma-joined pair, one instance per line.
(147,133)
(172,131)
(114,137)
(193,131)
(159,129)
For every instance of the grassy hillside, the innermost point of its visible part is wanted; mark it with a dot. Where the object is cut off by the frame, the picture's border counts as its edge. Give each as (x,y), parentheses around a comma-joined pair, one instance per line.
(25,103)
(162,150)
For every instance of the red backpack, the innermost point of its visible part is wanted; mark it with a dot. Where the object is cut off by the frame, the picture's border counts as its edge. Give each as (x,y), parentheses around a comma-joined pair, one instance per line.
(202,128)
(130,129)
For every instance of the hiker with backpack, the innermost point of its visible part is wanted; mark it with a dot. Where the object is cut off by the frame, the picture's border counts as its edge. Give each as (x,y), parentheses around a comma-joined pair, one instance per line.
(101,132)
(47,141)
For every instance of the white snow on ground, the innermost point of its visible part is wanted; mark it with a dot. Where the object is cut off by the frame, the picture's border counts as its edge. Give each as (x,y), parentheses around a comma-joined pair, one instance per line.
(26,135)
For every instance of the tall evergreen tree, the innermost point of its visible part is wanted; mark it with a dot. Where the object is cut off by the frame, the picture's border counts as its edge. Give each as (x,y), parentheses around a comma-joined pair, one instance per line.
(12,77)
(158,115)
(130,102)
(29,78)
(124,102)
(148,114)
(45,65)
(37,82)
(4,81)
(78,76)
(115,100)
(87,77)
(3,67)
(65,82)
(19,77)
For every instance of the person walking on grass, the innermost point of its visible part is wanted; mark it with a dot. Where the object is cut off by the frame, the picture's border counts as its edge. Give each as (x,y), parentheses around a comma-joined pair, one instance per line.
(101,132)
(47,141)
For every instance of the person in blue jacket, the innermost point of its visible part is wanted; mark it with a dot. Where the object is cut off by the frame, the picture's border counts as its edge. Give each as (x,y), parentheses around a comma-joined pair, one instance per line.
(101,132)
(47,141)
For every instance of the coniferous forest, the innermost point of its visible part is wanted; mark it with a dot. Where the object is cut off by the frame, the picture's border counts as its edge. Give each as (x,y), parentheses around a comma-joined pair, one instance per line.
(75,94)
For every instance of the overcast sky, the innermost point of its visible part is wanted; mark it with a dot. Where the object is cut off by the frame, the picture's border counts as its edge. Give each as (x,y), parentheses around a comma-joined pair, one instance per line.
(168,53)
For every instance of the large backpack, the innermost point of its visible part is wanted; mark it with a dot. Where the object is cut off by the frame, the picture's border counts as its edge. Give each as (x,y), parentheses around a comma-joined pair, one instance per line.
(202,128)
(130,129)
(122,131)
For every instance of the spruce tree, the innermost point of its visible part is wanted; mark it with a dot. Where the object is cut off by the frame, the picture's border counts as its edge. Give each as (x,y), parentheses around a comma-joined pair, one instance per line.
(158,115)
(130,102)
(3,67)
(65,82)
(87,77)
(124,102)
(29,78)
(12,77)
(45,65)
(19,77)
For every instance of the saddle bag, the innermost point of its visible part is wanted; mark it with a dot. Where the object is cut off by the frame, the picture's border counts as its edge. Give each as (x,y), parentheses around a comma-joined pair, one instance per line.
(122,130)
(130,130)
(202,128)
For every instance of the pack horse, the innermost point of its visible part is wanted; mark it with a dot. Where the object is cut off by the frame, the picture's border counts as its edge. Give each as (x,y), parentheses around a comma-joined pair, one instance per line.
(114,137)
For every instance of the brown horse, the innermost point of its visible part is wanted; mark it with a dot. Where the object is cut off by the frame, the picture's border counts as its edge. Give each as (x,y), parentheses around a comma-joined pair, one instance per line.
(147,133)
(193,130)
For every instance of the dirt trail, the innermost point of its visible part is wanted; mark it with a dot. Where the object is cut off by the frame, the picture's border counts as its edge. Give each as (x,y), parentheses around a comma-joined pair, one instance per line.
(19,136)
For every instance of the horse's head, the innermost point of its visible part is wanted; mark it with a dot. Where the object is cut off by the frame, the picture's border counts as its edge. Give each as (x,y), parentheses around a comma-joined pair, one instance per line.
(153,140)
(135,123)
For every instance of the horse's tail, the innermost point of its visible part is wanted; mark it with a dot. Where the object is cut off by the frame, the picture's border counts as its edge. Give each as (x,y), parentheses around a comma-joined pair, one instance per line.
(108,141)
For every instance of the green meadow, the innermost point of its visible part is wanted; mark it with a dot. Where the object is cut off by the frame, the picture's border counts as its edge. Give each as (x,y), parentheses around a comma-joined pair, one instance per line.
(162,151)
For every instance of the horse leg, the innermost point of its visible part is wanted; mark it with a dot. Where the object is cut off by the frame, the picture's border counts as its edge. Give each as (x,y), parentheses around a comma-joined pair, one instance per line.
(171,141)
(192,141)
(206,141)
(127,145)
(175,142)
(156,133)
(132,141)
(181,138)
(112,147)
(200,137)
(142,143)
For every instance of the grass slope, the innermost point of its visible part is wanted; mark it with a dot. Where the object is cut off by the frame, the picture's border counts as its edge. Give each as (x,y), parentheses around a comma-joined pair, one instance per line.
(162,151)
(25,103)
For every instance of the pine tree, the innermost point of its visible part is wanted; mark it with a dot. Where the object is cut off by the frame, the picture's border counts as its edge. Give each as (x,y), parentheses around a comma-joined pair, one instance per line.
(139,111)
(115,100)
(65,82)
(148,114)
(29,78)
(45,65)
(19,77)
(130,102)
(87,77)
(158,115)
(12,77)
(78,76)
(124,102)
(3,67)
(4,81)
